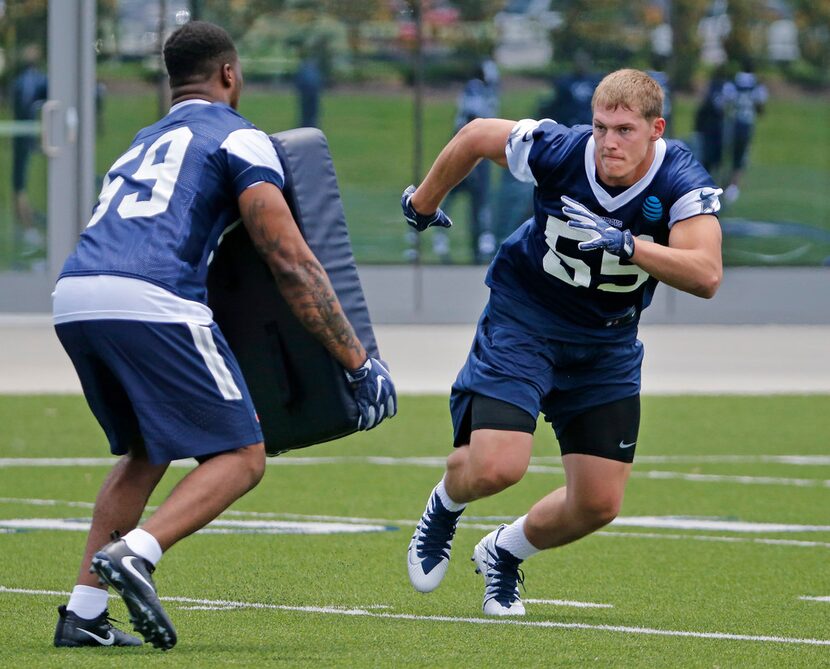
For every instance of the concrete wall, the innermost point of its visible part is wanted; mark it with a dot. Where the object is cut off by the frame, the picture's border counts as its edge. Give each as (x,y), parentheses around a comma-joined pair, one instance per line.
(455,295)
(748,295)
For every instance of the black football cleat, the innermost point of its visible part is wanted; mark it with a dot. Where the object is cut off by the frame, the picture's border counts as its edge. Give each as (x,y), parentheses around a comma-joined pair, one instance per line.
(130,575)
(73,631)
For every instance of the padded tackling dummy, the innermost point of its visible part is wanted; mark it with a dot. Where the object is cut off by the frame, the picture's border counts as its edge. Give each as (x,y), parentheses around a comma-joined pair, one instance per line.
(299,390)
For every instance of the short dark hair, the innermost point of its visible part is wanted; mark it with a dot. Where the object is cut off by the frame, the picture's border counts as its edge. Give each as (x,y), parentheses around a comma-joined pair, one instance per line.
(193,51)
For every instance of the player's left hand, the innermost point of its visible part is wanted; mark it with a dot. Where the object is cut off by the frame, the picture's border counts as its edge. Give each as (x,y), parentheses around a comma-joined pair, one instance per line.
(375,393)
(604,236)
(422,221)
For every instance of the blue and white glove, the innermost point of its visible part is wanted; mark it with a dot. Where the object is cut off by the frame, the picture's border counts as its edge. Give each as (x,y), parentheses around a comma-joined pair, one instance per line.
(374,392)
(422,221)
(604,236)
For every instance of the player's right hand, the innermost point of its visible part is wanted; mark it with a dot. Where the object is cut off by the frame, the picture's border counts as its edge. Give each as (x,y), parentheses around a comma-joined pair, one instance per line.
(422,221)
(374,392)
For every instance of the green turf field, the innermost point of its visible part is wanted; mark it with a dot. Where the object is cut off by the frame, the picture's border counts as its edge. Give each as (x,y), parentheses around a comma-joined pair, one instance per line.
(723,538)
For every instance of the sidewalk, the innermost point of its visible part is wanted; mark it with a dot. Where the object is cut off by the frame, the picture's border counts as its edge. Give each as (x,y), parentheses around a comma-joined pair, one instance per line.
(679,359)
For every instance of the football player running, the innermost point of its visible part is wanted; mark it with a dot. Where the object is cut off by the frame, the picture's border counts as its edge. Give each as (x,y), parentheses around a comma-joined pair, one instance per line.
(617,208)
(130,309)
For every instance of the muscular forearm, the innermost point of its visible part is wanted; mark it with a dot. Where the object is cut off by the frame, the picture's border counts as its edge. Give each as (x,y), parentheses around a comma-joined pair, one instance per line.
(308,291)
(690,270)
(301,279)
(481,138)
(450,167)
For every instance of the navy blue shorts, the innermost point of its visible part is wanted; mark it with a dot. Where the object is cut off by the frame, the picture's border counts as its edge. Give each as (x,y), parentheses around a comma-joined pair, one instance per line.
(559,379)
(176,387)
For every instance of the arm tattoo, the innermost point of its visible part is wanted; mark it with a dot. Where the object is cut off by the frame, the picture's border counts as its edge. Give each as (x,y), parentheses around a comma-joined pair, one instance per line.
(309,293)
(306,288)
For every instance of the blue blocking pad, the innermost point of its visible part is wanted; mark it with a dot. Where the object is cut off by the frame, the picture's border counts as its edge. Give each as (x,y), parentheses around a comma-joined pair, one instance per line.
(299,390)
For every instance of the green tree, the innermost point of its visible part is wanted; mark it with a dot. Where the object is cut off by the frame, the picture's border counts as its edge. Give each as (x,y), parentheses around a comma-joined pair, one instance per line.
(478,10)
(739,44)
(352,15)
(813,20)
(611,32)
(685,42)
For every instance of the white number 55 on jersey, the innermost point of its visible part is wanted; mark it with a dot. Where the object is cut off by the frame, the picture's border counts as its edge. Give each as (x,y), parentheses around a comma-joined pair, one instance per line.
(614,277)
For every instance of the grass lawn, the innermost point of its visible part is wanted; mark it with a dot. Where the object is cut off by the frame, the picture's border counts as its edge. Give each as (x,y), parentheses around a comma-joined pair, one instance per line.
(718,559)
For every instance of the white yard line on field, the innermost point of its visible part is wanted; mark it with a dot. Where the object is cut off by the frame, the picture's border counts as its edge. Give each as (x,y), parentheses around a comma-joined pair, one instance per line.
(798,460)
(218,526)
(714,538)
(807,598)
(438,463)
(568,602)
(365,612)
(475,522)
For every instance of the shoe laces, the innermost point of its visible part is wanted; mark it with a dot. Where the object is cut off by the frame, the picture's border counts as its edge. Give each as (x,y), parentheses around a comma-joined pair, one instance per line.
(436,530)
(107,618)
(504,576)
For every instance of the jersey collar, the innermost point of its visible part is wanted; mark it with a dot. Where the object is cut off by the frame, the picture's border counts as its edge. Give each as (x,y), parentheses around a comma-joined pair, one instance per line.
(186,103)
(605,200)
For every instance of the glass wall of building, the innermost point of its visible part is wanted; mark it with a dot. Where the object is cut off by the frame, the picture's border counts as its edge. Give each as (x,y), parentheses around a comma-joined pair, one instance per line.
(390,81)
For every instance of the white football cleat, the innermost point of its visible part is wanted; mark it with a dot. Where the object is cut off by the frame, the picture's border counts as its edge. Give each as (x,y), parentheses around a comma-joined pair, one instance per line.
(429,550)
(502,577)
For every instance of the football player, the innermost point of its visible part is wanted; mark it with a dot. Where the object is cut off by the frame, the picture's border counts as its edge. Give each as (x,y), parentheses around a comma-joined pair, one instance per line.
(130,309)
(617,208)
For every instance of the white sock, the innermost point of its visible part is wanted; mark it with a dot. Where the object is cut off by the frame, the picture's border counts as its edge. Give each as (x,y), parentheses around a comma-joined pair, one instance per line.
(144,544)
(514,540)
(87,602)
(446,500)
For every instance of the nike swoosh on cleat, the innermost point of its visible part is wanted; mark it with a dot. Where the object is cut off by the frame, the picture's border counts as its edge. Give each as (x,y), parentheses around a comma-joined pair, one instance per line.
(104,642)
(128,563)
(624,445)
(413,550)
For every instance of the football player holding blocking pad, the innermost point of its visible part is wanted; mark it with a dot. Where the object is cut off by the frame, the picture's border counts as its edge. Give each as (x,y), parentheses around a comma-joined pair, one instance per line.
(617,208)
(130,309)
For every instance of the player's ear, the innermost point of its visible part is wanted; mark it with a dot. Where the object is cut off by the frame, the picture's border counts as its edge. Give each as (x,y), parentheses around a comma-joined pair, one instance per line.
(658,127)
(228,75)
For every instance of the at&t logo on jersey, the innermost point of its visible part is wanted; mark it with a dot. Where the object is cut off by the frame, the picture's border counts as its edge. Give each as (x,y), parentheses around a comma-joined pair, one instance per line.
(652,209)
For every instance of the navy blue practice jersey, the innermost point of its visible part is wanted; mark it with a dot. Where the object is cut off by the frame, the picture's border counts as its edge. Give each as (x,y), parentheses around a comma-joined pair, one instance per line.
(592,295)
(166,201)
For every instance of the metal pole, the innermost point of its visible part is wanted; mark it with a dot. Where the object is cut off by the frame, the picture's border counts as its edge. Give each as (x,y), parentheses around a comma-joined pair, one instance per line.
(163,89)
(418,139)
(417,158)
(87,100)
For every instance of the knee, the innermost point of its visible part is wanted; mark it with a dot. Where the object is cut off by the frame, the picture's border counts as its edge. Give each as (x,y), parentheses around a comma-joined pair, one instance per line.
(599,510)
(494,476)
(254,463)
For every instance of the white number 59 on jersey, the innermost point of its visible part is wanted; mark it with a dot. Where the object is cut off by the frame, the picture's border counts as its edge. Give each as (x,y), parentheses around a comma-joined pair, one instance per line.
(613,276)
(163,173)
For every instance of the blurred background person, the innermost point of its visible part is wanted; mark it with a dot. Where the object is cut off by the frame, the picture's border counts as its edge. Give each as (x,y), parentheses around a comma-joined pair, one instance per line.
(709,123)
(29,92)
(570,100)
(478,99)
(660,75)
(308,82)
(747,97)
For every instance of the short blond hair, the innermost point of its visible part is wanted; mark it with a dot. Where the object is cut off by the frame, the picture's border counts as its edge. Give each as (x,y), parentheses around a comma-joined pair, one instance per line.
(630,89)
